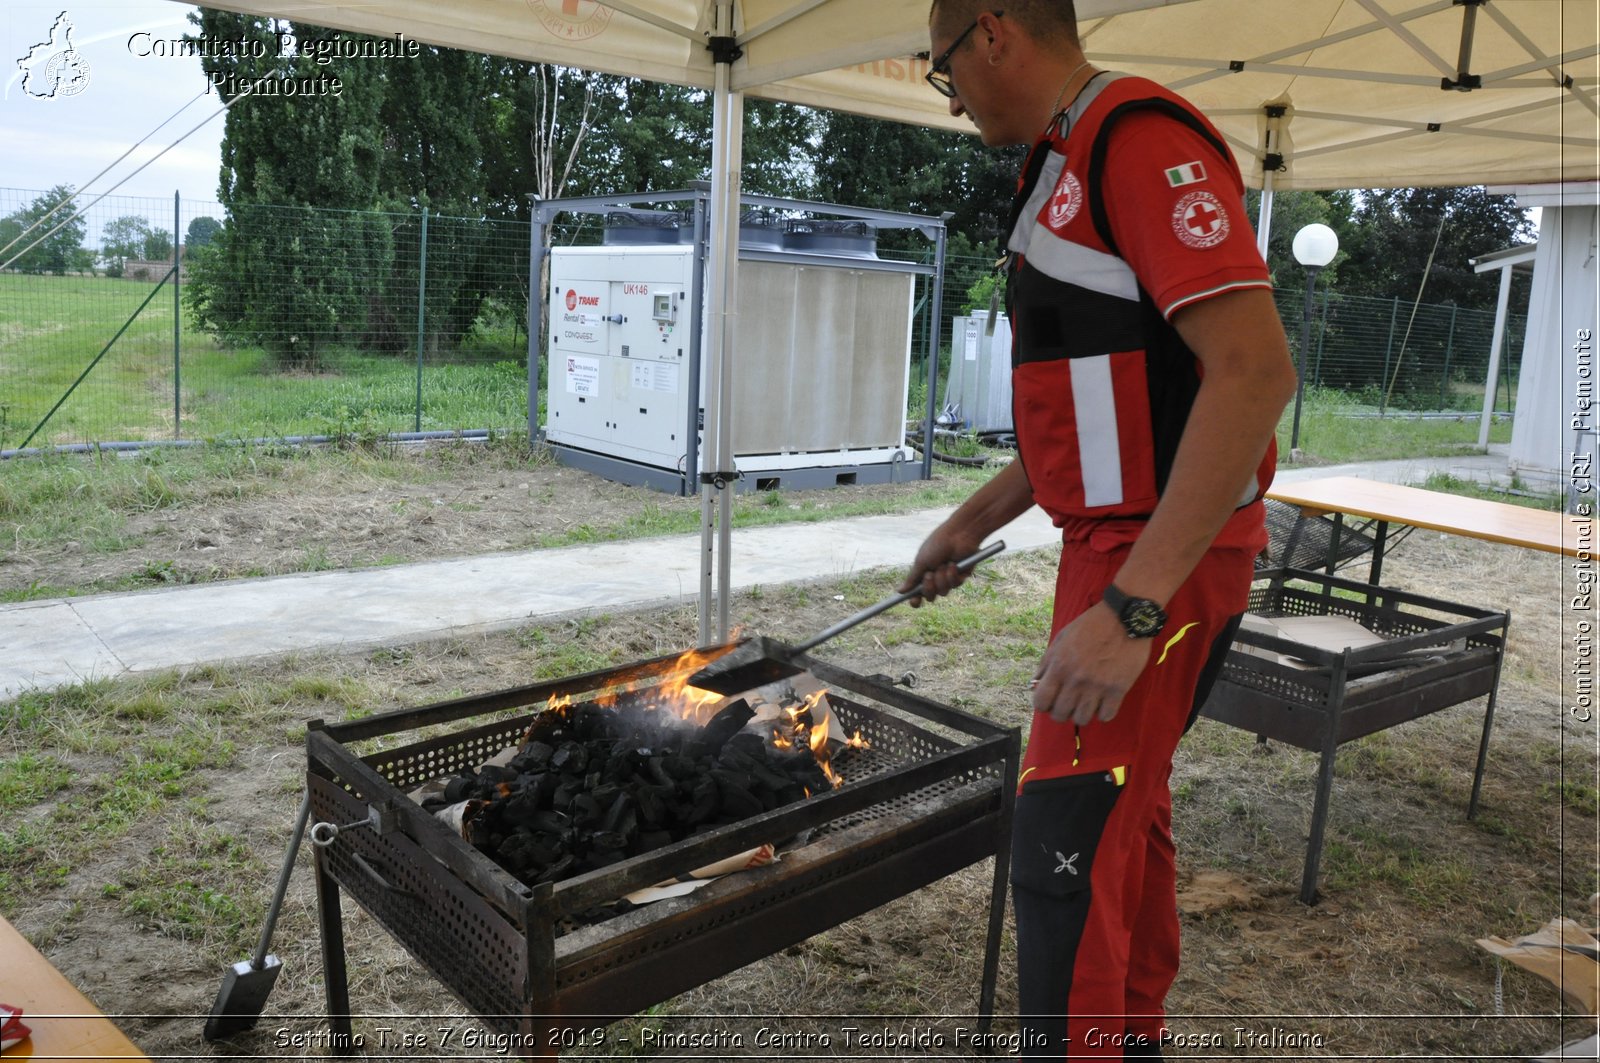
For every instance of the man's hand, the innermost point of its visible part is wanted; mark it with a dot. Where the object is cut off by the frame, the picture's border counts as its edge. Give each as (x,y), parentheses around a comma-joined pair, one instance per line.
(934,568)
(994,505)
(1088,668)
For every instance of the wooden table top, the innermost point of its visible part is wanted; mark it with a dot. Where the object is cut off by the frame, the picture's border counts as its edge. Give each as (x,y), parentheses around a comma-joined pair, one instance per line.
(65,1024)
(1476,518)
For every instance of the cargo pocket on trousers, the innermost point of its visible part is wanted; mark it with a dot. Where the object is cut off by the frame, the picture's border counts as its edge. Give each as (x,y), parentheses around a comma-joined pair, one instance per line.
(1056,830)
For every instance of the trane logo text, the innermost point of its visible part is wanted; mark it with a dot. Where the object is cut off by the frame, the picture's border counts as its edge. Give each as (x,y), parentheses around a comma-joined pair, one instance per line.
(574,300)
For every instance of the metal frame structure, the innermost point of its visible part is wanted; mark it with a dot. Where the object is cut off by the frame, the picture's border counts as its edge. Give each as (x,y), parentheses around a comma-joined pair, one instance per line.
(711,346)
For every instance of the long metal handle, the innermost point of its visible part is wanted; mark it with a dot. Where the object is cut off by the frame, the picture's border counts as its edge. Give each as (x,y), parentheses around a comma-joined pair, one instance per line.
(965,565)
(283,882)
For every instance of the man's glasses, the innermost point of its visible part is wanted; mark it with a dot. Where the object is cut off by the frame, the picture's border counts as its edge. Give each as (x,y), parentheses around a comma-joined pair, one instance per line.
(938,74)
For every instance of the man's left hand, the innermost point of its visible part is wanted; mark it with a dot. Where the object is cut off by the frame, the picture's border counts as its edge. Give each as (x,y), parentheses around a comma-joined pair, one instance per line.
(1088,668)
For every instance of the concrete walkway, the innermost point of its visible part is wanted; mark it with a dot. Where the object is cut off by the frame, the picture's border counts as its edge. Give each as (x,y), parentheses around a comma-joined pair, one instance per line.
(57,642)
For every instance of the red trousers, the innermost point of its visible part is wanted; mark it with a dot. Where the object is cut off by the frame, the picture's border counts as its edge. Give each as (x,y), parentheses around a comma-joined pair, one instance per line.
(1093,867)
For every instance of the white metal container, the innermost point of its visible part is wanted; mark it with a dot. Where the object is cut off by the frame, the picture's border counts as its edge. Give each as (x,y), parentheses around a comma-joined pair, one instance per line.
(820,381)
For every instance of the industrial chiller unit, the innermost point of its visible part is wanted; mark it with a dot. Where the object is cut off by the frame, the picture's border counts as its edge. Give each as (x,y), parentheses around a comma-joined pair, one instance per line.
(822,364)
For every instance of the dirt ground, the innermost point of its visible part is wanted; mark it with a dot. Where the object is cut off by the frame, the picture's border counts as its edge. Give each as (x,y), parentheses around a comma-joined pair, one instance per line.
(1383,966)
(447,501)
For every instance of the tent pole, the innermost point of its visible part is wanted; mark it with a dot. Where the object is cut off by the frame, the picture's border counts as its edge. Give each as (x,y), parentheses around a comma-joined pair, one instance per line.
(717,483)
(1491,388)
(1271,163)
(1264,222)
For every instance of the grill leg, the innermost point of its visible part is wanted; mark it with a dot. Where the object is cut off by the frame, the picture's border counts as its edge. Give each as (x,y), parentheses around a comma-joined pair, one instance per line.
(1319,823)
(1488,722)
(1319,810)
(997,895)
(334,971)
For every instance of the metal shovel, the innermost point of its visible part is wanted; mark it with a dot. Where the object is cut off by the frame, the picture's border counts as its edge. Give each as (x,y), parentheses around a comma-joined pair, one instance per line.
(761,660)
(247,984)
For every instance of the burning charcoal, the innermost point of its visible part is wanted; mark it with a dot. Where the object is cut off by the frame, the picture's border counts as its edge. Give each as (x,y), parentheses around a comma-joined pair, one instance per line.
(604,858)
(605,794)
(570,759)
(533,757)
(542,786)
(591,723)
(494,773)
(561,800)
(652,802)
(729,721)
(735,759)
(558,870)
(552,822)
(737,800)
(750,745)
(457,789)
(619,812)
(586,811)
(656,839)
(705,801)
(546,850)
(769,777)
(679,767)
(521,809)
(517,852)
(608,840)
(657,768)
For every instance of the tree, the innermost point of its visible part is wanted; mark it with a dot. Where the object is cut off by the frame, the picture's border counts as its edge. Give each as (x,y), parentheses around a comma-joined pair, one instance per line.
(201,231)
(1390,235)
(157,245)
(57,251)
(123,238)
(283,275)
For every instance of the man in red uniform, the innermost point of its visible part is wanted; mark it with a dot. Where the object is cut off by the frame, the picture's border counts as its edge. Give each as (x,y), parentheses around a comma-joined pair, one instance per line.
(1149,369)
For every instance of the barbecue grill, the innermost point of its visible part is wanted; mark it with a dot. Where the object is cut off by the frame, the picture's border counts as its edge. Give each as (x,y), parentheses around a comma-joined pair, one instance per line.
(932,793)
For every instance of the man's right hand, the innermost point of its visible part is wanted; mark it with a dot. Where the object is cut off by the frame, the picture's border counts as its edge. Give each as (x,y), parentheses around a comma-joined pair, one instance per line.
(934,568)
(994,505)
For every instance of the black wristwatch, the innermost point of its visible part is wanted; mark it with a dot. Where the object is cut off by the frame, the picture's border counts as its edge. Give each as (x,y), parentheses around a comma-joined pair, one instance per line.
(1141,618)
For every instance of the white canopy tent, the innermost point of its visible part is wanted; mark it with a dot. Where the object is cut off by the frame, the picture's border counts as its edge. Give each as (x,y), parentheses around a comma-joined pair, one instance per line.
(1311,94)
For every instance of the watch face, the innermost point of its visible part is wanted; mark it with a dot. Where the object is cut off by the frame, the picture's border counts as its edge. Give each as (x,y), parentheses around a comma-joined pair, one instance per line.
(1143,618)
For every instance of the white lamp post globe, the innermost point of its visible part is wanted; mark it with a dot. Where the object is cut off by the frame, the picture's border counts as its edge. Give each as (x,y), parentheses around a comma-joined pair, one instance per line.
(1315,245)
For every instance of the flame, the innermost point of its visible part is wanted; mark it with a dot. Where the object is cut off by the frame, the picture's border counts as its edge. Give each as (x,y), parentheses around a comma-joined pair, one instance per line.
(667,688)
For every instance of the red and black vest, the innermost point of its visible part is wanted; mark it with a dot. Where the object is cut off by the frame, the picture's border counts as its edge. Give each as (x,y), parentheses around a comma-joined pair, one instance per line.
(1102,383)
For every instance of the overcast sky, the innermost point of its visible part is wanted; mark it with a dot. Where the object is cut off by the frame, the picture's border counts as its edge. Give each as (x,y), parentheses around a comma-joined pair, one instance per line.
(68,139)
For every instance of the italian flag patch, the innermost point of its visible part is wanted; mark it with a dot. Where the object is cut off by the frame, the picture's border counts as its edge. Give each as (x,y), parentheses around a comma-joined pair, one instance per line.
(1187,174)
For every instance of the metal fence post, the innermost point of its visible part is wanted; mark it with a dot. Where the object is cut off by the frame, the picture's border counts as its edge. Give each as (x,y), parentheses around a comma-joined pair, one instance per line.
(1449,347)
(177,322)
(422,305)
(1322,335)
(1388,353)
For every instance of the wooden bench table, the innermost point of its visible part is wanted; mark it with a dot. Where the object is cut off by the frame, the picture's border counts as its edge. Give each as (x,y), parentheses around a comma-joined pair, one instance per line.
(65,1024)
(1475,518)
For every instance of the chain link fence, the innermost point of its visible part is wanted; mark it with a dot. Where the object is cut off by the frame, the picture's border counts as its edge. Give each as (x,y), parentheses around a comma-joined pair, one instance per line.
(288,322)
(282,322)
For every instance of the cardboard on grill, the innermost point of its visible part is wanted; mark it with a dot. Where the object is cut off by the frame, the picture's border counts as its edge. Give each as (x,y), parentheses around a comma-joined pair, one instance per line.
(1330,634)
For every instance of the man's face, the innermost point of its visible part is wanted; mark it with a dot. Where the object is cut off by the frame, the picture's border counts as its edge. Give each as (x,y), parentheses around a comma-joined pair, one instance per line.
(959,59)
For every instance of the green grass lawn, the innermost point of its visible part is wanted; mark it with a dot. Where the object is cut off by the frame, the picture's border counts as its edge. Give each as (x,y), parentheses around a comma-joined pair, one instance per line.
(1335,429)
(51,329)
